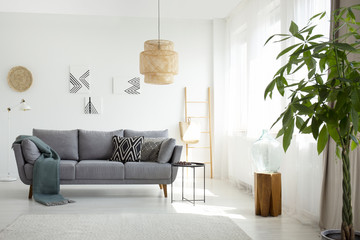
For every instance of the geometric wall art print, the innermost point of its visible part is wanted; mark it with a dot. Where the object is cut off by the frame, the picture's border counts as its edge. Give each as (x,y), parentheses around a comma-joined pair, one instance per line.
(126,85)
(80,79)
(93,105)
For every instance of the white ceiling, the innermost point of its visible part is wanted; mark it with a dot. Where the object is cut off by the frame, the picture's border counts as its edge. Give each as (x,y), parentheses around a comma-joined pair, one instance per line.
(188,9)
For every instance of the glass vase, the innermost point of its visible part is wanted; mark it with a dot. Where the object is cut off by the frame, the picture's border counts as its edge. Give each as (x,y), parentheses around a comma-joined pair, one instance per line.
(267,154)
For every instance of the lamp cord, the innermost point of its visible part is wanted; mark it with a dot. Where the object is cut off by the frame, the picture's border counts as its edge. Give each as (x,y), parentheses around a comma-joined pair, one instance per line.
(8,150)
(159,24)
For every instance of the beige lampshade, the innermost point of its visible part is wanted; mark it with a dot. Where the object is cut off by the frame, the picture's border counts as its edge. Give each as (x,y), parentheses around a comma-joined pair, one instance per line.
(189,132)
(158,62)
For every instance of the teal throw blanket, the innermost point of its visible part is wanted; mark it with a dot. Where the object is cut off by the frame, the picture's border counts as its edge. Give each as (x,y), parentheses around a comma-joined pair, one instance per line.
(46,178)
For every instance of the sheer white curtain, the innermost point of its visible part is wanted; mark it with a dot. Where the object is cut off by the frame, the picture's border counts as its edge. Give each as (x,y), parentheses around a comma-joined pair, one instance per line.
(250,68)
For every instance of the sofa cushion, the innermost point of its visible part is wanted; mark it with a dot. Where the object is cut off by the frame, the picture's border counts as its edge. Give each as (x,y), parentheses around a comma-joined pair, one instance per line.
(96,144)
(166,150)
(150,134)
(30,151)
(147,170)
(127,149)
(64,142)
(150,149)
(66,170)
(99,169)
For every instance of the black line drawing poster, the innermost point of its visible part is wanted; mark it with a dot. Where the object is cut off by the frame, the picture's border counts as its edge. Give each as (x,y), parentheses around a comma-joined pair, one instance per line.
(93,105)
(126,85)
(80,79)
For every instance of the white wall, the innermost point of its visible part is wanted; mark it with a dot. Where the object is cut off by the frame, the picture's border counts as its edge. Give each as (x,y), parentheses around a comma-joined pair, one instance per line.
(48,44)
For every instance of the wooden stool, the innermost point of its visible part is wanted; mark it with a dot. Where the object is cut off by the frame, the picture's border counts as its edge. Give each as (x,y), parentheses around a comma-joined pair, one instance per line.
(267,194)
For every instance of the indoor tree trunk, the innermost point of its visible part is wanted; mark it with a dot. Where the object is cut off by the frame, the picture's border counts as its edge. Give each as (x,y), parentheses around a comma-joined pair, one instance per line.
(347,229)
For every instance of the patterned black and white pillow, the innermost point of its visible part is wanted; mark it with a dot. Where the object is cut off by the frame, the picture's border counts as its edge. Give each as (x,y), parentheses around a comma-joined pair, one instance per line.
(127,149)
(150,149)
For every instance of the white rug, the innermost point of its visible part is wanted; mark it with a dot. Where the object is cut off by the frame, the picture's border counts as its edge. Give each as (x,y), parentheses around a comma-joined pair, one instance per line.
(123,226)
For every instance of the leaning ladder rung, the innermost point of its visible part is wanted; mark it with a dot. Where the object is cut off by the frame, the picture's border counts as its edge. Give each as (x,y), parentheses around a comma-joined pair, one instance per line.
(198,147)
(196,101)
(198,117)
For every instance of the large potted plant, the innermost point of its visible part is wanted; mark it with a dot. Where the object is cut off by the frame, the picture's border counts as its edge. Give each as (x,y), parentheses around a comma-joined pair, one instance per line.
(326,101)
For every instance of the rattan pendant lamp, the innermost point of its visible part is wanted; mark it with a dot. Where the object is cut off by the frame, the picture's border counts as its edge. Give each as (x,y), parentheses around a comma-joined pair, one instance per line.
(159,61)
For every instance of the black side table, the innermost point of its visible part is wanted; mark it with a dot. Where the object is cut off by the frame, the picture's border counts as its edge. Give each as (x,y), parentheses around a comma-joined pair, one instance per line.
(192,165)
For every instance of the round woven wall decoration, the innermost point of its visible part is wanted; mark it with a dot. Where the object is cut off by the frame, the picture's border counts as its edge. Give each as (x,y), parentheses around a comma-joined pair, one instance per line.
(19,79)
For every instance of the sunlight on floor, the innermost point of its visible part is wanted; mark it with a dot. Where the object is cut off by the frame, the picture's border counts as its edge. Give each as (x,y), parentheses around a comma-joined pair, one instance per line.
(185,207)
(198,191)
(201,208)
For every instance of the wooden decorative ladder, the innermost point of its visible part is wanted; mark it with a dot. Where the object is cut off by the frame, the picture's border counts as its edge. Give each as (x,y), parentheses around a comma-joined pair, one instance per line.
(208,102)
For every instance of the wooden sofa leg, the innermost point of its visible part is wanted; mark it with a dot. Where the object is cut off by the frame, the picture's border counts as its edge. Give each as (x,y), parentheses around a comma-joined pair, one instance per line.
(165,190)
(30,192)
(160,185)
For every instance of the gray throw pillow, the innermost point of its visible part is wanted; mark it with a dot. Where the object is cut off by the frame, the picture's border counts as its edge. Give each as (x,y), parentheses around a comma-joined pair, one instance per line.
(166,150)
(30,151)
(150,149)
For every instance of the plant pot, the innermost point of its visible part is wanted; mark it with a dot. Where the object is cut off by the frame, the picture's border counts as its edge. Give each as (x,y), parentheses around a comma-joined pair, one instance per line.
(335,235)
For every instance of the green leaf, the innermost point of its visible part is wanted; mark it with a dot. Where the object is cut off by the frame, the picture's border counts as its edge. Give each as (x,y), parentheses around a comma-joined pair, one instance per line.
(322,140)
(311,73)
(298,68)
(280,133)
(344,126)
(322,15)
(288,135)
(341,100)
(333,118)
(322,64)
(287,50)
(306,130)
(293,28)
(299,122)
(281,71)
(302,109)
(355,119)
(338,152)
(271,37)
(306,48)
(353,146)
(355,98)
(307,29)
(319,79)
(334,134)
(354,139)
(280,85)
(315,124)
(283,39)
(316,15)
(299,36)
(351,14)
(287,117)
(281,116)
(323,93)
(345,47)
(304,126)
(356,6)
(269,89)
(315,37)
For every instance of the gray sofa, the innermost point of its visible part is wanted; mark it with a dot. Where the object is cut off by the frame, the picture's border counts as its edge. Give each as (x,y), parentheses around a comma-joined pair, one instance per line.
(85,158)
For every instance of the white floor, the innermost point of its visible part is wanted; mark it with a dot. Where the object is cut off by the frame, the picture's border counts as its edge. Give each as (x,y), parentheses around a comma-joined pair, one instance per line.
(221,199)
